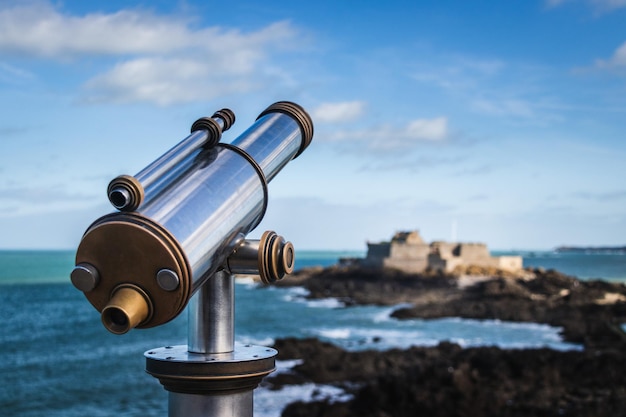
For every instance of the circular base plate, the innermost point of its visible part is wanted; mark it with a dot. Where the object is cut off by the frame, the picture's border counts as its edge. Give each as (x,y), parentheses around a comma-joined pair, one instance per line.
(205,373)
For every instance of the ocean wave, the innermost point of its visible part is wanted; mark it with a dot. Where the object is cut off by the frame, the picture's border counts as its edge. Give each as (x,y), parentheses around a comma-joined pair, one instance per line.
(330,303)
(297,294)
(286,365)
(300,294)
(334,333)
(249,340)
(386,312)
(271,403)
(425,333)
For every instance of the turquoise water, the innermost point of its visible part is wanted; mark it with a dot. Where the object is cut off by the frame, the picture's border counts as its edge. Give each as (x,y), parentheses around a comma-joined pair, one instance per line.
(30,267)
(58,360)
(607,266)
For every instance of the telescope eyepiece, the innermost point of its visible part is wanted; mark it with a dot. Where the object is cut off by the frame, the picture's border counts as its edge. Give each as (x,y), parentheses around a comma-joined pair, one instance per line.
(227,116)
(276,257)
(271,258)
(119,197)
(117,318)
(125,193)
(128,308)
(215,125)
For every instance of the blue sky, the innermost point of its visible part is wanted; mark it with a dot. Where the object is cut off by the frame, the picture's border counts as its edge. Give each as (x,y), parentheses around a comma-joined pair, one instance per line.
(494,121)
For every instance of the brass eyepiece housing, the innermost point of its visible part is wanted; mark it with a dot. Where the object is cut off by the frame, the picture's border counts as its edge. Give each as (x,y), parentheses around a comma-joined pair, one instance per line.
(127,308)
(130,253)
(271,257)
(125,192)
(276,257)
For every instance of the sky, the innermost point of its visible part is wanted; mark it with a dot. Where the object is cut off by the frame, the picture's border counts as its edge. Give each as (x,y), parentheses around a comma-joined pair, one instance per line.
(501,122)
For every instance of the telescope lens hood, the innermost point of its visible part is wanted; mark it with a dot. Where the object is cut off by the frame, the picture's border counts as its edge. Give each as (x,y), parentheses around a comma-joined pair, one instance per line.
(300,115)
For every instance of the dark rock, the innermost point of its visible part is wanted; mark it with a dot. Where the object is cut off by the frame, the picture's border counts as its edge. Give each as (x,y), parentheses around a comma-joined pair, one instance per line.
(542,297)
(447,380)
(450,381)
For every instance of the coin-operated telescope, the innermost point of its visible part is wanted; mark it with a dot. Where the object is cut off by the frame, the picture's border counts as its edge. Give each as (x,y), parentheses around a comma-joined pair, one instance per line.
(178,238)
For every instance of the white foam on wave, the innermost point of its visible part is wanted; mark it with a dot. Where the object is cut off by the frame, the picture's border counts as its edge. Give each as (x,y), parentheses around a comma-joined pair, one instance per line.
(390,334)
(271,403)
(286,365)
(296,294)
(374,338)
(267,341)
(330,303)
(386,312)
(300,294)
(505,334)
(340,333)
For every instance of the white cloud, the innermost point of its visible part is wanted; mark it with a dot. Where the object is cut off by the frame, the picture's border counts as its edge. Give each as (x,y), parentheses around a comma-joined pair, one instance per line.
(345,111)
(427,129)
(617,61)
(555,3)
(160,59)
(388,138)
(26,200)
(607,5)
(415,164)
(504,107)
(165,81)
(517,92)
(340,226)
(459,72)
(13,72)
(597,5)
(37,29)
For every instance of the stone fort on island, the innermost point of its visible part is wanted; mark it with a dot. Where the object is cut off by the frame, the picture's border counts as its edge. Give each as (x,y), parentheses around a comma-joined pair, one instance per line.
(408,252)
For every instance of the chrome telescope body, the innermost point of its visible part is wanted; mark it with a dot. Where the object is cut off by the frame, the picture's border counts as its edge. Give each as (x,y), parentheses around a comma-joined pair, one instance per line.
(126,193)
(185,216)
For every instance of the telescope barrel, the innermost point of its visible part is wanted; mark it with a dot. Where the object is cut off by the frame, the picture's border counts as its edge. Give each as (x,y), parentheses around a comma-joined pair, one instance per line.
(287,132)
(126,193)
(188,226)
(211,210)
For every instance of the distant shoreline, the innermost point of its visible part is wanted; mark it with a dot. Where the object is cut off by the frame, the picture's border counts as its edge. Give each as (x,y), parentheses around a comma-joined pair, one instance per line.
(591,249)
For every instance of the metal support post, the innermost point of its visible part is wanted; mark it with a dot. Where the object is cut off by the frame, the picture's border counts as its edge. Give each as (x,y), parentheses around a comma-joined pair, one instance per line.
(212,376)
(212,316)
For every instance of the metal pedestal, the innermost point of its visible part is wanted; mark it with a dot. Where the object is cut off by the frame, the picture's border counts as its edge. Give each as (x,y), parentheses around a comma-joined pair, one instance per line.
(211,376)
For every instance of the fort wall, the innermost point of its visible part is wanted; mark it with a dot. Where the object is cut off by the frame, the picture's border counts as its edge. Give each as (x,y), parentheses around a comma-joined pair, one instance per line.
(408,252)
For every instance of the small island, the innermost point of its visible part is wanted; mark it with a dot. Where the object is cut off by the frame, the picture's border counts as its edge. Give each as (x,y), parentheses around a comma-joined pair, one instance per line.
(408,252)
(448,380)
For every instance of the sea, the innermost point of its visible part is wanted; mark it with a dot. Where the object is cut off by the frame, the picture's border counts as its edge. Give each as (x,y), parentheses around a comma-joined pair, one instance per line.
(58,360)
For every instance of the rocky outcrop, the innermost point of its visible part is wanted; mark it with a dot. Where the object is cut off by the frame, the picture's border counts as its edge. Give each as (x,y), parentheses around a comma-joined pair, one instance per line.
(590,312)
(447,380)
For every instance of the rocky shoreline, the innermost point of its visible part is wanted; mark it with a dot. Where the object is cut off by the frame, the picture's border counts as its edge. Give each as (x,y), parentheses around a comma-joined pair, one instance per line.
(448,380)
